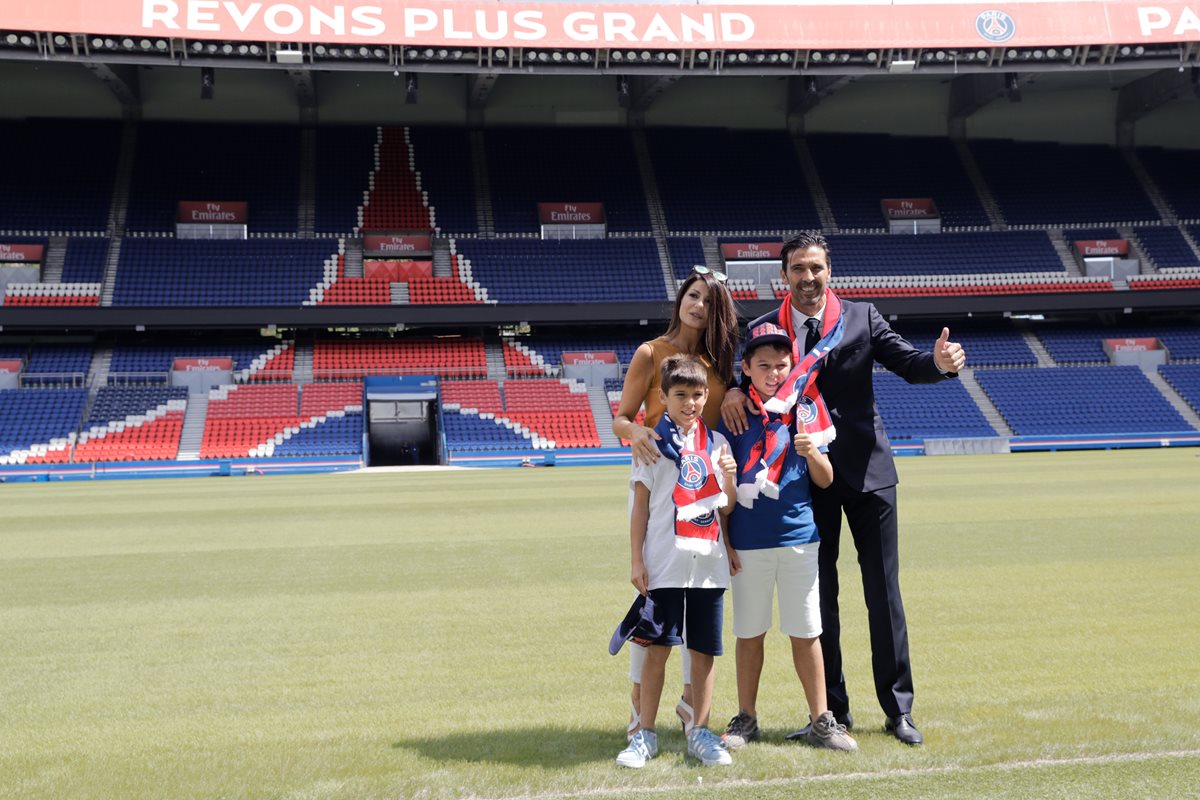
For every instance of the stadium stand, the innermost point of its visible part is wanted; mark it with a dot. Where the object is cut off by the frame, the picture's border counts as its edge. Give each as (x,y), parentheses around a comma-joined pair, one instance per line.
(240,418)
(133,424)
(52,183)
(480,395)
(395,198)
(1184,379)
(85,260)
(258,164)
(927,411)
(151,362)
(566,271)
(1045,183)
(345,157)
(1080,400)
(1177,174)
(254,272)
(555,409)
(468,432)
(443,157)
(351,359)
(535,352)
(987,345)
(36,424)
(1082,344)
(50,364)
(998,253)
(685,252)
(859,170)
(564,165)
(703,189)
(1166,247)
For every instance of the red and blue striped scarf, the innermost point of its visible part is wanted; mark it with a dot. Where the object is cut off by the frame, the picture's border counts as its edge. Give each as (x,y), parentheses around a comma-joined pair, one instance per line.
(697,492)
(797,400)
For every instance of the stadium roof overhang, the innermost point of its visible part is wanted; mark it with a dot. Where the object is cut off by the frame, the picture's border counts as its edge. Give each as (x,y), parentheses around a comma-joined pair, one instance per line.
(653,314)
(842,37)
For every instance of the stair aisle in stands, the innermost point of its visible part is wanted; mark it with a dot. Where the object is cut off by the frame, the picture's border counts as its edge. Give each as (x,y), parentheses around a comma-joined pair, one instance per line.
(56,256)
(658,220)
(815,187)
(981,188)
(484,216)
(1173,397)
(1063,248)
(1044,359)
(602,412)
(990,412)
(496,371)
(1149,186)
(302,372)
(192,434)
(306,208)
(101,361)
(352,264)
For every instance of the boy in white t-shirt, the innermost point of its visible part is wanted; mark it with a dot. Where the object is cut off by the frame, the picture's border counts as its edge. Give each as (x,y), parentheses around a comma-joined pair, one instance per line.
(678,555)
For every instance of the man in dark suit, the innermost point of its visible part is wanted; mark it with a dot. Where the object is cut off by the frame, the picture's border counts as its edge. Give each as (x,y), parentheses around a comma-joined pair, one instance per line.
(864,484)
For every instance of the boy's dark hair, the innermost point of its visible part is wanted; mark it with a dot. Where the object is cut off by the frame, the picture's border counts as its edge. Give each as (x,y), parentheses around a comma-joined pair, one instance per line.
(776,346)
(685,370)
(803,241)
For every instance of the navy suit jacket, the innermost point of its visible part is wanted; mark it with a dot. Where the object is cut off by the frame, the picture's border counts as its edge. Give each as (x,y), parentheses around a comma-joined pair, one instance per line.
(861,454)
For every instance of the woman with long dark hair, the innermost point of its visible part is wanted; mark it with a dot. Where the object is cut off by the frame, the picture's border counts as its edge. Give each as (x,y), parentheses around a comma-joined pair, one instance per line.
(704,324)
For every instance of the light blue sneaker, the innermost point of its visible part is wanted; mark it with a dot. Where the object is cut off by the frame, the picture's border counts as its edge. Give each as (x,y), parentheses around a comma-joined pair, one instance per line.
(643,746)
(706,746)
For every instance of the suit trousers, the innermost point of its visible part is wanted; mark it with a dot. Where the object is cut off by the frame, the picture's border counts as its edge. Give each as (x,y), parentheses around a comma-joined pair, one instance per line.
(872,519)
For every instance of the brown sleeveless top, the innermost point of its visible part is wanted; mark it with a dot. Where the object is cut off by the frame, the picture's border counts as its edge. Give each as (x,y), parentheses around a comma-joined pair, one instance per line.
(661,350)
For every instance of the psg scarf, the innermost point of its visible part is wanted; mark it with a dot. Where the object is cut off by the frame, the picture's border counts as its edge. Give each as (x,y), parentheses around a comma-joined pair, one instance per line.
(697,493)
(797,401)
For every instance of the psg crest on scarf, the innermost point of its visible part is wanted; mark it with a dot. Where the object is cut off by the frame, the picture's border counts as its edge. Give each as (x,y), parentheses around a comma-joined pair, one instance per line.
(806,410)
(693,472)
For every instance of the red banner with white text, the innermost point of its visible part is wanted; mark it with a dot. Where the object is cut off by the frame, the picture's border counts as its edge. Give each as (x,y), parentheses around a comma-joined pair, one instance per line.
(1091,248)
(836,24)
(219,363)
(10,365)
(760,251)
(18,253)
(212,212)
(909,208)
(408,244)
(1131,345)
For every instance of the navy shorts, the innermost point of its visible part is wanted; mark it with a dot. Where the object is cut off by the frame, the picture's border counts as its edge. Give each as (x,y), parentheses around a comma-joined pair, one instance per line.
(696,615)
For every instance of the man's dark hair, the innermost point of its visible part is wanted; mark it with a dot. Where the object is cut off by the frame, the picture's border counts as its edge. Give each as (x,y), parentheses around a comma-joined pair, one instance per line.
(803,241)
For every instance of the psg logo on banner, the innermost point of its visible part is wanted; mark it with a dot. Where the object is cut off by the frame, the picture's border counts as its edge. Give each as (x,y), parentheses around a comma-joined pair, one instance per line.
(995,26)
(692,471)
(806,410)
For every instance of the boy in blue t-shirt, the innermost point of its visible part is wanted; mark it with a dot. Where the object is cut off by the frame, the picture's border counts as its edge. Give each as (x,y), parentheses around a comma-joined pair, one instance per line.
(774,541)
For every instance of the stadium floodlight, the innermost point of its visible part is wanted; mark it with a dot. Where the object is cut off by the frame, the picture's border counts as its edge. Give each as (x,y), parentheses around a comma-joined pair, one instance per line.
(557,56)
(1067,52)
(585,56)
(1139,50)
(60,40)
(227,49)
(320,50)
(127,43)
(785,57)
(702,56)
(630,55)
(379,52)
(981,54)
(146,44)
(443,54)
(161,45)
(543,56)
(816,56)
(1125,50)
(871,57)
(617,56)
(1011,54)
(743,57)
(243,50)
(501,54)
(364,52)
(211,48)
(845,58)
(572,57)
(1051,53)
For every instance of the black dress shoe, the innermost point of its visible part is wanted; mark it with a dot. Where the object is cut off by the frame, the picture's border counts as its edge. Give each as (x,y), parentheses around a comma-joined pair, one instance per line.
(846,719)
(902,728)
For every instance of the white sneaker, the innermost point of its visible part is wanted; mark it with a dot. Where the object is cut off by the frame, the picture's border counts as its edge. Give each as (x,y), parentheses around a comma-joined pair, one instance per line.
(706,746)
(643,746)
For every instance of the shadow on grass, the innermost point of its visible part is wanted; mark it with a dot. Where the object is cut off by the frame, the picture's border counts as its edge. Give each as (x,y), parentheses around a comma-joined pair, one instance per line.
(548,747)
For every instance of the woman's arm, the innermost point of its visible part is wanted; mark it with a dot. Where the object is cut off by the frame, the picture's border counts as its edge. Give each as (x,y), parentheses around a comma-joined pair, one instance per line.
(633,394)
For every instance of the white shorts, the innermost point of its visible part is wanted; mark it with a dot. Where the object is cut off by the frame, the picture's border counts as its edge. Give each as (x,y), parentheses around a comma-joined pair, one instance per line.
(794,571)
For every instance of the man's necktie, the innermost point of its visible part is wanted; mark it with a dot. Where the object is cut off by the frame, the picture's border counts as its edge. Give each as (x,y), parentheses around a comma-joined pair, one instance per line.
(814,333)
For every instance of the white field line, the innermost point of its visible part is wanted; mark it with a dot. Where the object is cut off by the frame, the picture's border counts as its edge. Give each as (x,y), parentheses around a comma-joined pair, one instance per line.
(718,784)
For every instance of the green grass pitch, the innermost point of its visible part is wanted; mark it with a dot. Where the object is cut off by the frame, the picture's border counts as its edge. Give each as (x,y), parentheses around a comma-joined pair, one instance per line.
(443,634)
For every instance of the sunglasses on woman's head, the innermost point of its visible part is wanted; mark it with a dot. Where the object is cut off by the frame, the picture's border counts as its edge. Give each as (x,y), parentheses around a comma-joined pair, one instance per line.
(700,269)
